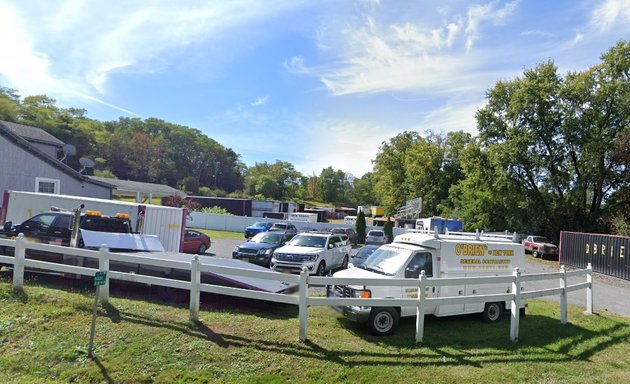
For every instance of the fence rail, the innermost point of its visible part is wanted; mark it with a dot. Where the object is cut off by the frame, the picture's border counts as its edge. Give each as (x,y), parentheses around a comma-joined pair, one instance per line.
(302,299)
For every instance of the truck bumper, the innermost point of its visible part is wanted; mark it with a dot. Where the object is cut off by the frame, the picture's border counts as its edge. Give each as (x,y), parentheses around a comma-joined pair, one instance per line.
(353,313)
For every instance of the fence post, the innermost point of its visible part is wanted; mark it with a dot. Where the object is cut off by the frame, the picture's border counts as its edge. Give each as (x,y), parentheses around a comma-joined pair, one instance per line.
(563,295)
(195,280)
(303,308)
(103,265)
(515,310)
(422,287)
(589,289)
(18,262)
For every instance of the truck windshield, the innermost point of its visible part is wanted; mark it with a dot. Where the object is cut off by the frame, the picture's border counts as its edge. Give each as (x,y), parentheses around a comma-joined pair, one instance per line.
(387,260)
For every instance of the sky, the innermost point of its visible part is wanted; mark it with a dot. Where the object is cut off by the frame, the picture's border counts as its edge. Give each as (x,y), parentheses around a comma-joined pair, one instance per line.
(316,83)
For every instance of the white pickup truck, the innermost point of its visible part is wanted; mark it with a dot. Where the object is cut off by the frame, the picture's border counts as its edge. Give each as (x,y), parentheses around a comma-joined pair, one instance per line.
(320,252)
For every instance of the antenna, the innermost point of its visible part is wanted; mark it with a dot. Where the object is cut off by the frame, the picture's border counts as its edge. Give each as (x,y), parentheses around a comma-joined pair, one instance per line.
(68,150)
(85,163)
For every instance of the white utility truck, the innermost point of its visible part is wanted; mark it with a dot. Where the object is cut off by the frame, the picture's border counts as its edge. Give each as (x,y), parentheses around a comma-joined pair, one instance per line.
(440,256)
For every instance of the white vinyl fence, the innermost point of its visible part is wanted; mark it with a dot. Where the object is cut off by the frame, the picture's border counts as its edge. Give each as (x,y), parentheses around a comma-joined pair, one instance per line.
(302,300)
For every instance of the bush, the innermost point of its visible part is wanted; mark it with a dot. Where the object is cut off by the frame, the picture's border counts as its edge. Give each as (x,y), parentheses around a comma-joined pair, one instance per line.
(359,227)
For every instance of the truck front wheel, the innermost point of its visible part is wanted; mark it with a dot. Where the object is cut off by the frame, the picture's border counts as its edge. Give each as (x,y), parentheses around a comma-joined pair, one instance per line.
(383,321)
(492,312)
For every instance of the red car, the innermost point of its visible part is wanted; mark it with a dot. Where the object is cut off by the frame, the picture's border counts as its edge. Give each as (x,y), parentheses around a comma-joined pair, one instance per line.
(540,246)
(196,242)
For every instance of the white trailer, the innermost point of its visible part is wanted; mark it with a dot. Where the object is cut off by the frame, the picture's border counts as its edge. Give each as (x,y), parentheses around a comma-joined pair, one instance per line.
(303,217)
(455,255)
(165,222)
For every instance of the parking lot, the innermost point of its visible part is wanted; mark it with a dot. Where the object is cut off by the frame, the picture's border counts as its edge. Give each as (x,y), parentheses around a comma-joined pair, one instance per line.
(610,294)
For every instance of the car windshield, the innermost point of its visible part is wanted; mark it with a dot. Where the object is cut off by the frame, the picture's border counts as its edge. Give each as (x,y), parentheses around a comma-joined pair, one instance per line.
(260,224)
(309,241)
(267,238)
(279,226)
(386,260)
(338,230)
(376,233)
(365,252)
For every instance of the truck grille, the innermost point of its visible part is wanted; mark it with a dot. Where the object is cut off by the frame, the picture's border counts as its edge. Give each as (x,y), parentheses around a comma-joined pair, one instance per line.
(290,257)
(246,251)
(342,290)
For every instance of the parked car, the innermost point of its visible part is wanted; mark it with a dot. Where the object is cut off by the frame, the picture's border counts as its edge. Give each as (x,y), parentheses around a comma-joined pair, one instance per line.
(349,232)
(259,249)
(257,227)
(196,242)
(287,228)
(363,254)
(375,236)
(540,246)
(319,252)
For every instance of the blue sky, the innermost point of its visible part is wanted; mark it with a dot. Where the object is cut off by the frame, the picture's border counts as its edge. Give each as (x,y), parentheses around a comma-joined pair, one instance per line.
(317,83)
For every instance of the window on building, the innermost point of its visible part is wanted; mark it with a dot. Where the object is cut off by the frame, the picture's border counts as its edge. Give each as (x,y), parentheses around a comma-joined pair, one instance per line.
(44,185)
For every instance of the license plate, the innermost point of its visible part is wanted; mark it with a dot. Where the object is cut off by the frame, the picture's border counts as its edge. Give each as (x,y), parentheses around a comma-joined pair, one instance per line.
(285,270)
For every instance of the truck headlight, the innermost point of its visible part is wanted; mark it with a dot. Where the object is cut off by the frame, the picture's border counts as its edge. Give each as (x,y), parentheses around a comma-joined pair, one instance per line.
(267,252)
(235,249)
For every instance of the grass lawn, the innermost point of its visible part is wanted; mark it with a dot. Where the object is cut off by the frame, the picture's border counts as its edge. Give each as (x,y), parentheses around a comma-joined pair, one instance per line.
(44,333)
(221,234)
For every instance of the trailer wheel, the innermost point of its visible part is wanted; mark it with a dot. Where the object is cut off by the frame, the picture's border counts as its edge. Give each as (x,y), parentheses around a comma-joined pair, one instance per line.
(321,269)
(492,312)
(383,321)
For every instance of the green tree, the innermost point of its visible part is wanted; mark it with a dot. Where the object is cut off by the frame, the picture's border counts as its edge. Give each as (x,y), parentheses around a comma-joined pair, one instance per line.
(388,230)
(359,227)
(553,141)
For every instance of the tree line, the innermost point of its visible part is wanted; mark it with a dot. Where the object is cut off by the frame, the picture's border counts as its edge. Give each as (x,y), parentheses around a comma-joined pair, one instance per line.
(552,153)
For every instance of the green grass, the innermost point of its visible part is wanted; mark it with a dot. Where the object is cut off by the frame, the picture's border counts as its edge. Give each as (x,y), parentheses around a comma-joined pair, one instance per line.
(214,235)
(44,333)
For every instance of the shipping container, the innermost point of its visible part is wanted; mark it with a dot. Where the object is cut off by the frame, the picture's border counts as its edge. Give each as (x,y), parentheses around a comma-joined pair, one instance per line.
(607,254)
(238,207)
(165,222)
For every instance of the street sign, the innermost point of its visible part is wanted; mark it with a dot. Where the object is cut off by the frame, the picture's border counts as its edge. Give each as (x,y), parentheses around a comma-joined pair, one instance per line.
(99,278)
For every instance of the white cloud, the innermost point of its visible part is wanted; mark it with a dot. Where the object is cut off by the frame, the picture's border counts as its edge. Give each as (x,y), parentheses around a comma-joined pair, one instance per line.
(259,102)
(70,49)
(610,13)
(349,145)
(383,56)
(478,14)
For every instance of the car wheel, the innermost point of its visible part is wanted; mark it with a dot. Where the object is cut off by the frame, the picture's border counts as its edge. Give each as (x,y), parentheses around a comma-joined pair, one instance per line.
(202,249)
(535,253)
(492,312)
(383,321)
(344,263)
(321,269)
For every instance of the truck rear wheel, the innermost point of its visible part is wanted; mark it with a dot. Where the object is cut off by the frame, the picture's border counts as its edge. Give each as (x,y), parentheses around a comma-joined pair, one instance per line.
(383,321)
(492,312)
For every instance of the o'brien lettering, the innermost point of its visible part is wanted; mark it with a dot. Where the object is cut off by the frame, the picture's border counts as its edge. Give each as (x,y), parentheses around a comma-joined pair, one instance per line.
(470,250)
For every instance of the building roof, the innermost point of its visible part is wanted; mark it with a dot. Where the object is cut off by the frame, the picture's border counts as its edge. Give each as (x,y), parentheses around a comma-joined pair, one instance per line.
(128,187)
(32,133)
(19,141)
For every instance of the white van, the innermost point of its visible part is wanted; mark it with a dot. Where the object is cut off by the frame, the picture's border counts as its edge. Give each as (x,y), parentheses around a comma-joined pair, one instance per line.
(440,256)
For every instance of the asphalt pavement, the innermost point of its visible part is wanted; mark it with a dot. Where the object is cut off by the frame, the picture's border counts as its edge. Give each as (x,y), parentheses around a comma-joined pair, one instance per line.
(609,294)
